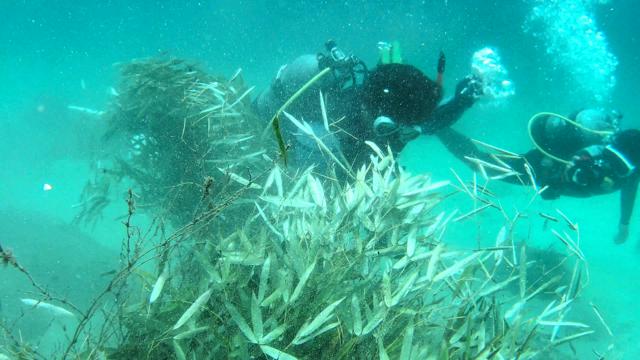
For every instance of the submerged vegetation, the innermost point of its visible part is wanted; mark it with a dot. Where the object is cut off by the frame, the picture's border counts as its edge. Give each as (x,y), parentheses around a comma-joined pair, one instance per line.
(324,271)
(259,262)
(179,134)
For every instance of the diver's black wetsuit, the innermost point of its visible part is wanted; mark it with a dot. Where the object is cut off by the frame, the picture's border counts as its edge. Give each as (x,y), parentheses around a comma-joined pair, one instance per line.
(548,172)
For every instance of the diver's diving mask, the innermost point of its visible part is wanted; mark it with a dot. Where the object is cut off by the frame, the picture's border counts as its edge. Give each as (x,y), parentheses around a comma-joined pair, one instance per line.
(384,126)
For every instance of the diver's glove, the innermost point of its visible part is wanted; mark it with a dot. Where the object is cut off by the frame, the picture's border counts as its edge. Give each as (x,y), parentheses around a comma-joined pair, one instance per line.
(468,90)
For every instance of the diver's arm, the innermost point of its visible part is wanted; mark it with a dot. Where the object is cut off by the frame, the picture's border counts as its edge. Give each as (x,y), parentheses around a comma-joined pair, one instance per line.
(459,145)
(451,110)
(627,200)
(462,147)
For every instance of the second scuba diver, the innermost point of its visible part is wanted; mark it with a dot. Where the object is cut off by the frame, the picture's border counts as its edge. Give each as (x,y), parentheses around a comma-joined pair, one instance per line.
(583,155)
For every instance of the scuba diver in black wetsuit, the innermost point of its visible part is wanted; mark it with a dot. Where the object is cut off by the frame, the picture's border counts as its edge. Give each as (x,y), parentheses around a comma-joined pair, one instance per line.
(581,156)
(389,105)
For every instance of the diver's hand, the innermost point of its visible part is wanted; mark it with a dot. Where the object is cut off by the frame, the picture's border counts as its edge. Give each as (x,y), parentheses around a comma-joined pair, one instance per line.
(469,89)
(623,234)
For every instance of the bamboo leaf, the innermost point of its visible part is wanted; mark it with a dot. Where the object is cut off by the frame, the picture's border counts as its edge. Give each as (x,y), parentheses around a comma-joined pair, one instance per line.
(407,342)
(256,318)
(500,241)
(550,310)
(294,202)
(375,320)
(601,318)
(275,295)
(456,267)
(274,334)
(190,333)
(571,337)
(303,280)
(323,108)
(317,191)
(404,290)
(433,262)
(241,97)
(180,355)
(357,315)
(425,189)
(317,322)
(159,285)
(264,278)
(200,301)
(496,287)
(242,324)
(53,309)
(318,333)
(562,323)
(276,354)
(382,352)
(282,146)
(523,271)
(240,180)
(411,240)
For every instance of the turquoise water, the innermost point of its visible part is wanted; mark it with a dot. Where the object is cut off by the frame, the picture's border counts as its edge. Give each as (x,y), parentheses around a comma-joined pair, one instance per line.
(59,53)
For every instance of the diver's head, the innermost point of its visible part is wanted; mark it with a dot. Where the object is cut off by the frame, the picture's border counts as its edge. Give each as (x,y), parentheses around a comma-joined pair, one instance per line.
(598,119)
(396,95)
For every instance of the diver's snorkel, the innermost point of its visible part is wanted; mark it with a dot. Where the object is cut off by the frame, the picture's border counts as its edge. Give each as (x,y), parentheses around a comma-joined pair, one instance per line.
(442,61)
